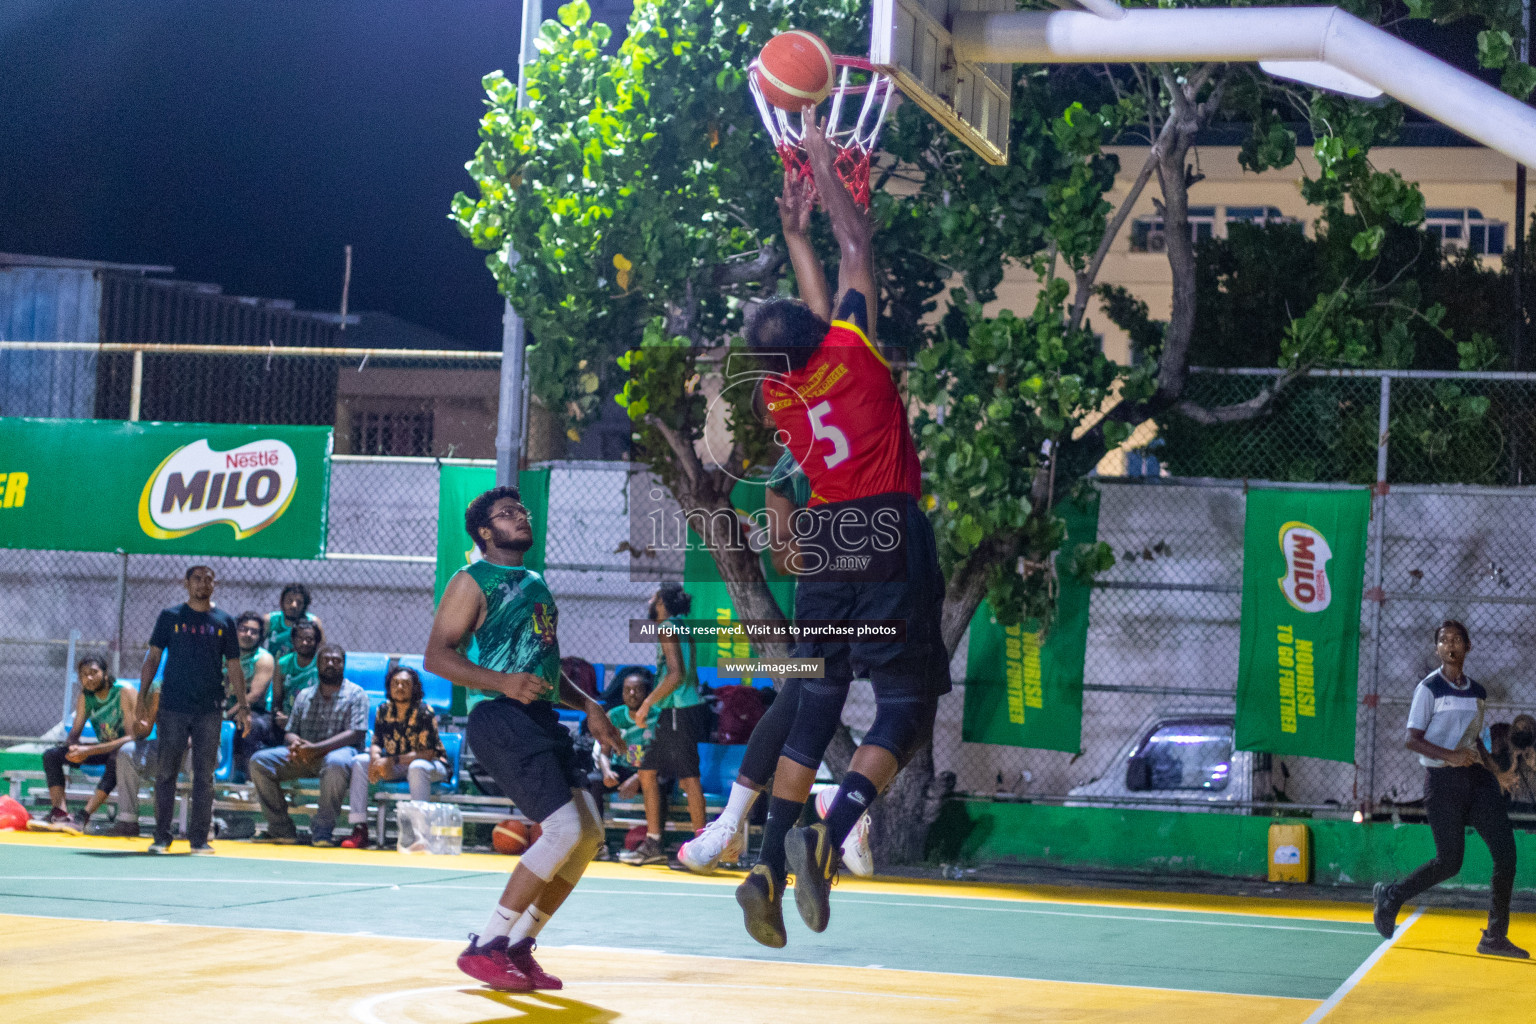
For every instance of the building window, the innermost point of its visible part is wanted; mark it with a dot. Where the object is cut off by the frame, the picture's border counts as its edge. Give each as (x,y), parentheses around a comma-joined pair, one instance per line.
(1465,228)
(1258,215)
(1147,232)
(392,432)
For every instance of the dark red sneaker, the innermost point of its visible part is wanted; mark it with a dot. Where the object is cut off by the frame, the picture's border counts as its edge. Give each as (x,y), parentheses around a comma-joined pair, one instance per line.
(488,964)
(358,840)
(521,955)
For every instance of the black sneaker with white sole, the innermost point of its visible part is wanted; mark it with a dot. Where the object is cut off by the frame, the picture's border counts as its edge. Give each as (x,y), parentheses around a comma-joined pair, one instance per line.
(813,861)
(761,899)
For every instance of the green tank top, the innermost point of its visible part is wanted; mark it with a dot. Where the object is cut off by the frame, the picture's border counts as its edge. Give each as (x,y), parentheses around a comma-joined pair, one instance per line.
(106,713)
(787,478)
(280,633)
(296,677)
(519,631)
(687,693)
(248,667)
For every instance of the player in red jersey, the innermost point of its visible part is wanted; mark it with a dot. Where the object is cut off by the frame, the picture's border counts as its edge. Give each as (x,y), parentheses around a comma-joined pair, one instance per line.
(865,549)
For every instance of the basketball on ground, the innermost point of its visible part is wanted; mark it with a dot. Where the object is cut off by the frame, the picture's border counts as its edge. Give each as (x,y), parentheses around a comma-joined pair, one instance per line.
(794,69)
(513,836)
(634,837)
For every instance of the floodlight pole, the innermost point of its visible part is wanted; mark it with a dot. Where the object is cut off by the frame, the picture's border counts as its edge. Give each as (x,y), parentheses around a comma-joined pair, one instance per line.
(1306,35)
(510,412)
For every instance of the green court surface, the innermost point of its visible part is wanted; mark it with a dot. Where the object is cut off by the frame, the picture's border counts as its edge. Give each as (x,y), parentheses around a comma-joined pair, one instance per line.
(1096,940)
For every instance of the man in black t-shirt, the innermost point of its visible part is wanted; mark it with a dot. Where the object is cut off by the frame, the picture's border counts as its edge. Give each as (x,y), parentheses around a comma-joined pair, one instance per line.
(200,646)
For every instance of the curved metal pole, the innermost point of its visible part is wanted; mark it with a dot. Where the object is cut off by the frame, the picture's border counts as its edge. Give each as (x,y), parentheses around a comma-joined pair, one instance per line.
(1323,35)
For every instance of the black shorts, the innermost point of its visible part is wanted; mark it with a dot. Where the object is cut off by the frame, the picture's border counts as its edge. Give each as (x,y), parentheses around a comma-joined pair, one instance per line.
(901,581)
(674,749)
(528,752)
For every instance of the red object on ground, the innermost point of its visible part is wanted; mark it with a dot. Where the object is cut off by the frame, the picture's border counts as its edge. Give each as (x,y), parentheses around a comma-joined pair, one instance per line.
(13,816)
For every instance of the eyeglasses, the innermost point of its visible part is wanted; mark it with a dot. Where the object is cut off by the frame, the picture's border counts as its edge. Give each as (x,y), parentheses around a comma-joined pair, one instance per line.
(515,512)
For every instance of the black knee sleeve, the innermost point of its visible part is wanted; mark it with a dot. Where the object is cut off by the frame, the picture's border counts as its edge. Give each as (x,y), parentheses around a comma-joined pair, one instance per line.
(816,720)
(902,725)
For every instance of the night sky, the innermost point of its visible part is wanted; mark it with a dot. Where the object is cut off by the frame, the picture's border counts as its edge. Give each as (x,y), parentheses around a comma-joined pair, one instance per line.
(245,142)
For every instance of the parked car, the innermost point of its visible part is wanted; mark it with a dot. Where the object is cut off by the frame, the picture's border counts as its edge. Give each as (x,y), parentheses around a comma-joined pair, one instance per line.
(1184,756)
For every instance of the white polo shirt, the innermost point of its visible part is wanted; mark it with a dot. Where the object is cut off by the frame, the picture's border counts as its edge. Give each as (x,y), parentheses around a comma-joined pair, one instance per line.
(1450,715)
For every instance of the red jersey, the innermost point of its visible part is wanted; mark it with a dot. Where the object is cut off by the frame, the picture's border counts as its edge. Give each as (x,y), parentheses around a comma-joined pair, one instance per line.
(846,422)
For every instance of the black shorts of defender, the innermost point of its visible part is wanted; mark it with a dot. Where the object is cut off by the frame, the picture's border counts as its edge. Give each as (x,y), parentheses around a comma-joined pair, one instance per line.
(528,752)
(889,572)
(674,749)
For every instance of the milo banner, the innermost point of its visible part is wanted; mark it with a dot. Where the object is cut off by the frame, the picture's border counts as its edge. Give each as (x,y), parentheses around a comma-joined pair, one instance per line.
(1020,691)
(1303,573)
(457,486)
(711,597)
(164,488)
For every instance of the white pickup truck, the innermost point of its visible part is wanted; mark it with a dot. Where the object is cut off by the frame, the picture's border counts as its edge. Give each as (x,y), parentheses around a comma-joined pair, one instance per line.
(1184,756)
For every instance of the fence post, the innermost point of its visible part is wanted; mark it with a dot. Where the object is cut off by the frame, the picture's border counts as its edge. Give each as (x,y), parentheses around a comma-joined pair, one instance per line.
(69,674)
(136,390)
(1376,594)
(122,607)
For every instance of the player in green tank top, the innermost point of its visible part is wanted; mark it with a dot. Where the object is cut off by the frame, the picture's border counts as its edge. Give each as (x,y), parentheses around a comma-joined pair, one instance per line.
(111,708)
(293,608)
(296,671)
(503,612)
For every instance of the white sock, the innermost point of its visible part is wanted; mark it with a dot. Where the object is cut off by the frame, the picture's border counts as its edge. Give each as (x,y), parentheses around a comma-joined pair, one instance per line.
(653,835)
(528,926)
(738,804)
(500,924)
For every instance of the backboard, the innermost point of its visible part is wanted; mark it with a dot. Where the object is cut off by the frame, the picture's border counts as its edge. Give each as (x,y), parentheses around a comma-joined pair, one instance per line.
(910,41)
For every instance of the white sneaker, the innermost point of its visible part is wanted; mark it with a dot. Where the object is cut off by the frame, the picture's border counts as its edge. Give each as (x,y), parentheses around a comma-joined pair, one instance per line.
(717,841)
(857,857)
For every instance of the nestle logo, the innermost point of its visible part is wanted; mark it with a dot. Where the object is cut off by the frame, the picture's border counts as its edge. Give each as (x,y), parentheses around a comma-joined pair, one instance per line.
(251,460)
(1305,583)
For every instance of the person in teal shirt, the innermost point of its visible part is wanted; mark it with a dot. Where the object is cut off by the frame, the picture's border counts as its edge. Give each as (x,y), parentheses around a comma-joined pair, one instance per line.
(107,704)
(495,630)
(676,713)
(297,670)
(293,608)
(621,772)
(258,666)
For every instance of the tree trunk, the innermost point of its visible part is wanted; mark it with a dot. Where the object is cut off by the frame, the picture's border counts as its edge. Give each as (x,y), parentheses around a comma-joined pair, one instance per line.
(901,818)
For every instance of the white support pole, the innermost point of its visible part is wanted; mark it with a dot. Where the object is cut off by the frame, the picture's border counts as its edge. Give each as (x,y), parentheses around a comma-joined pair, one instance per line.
(1324,35)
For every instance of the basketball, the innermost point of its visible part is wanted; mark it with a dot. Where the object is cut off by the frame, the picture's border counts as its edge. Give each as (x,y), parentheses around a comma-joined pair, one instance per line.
(794,69)
(634,837)
(513,836)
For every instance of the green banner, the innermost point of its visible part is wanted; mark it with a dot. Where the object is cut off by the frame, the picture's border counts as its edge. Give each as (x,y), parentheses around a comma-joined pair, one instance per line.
(1303,574)
(711,597)
(164,488)
(457,486)
(1019,691)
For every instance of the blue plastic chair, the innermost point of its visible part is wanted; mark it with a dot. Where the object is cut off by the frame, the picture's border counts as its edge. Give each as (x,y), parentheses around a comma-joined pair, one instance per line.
(368,670)
(437,690)
(226,766)
(719,764)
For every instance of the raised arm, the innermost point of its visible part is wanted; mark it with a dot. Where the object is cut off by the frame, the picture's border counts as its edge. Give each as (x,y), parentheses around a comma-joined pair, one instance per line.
(457,616)
(795,208)
(850,226)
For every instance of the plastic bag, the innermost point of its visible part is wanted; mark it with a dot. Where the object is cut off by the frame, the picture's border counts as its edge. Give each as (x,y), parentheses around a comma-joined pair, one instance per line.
(429,828)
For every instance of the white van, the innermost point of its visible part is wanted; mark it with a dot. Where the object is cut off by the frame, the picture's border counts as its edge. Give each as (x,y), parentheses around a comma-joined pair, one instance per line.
(1185,756)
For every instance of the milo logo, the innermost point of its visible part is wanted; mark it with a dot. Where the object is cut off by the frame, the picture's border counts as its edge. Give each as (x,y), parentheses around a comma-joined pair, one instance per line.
(1305,583)
(248,487)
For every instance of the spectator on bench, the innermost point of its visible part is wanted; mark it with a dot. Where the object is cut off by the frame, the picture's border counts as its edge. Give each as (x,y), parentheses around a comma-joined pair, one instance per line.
(405,746)
(325,730)
(297,669)
(293,608)
(110,708)
(258,665)
(621,773)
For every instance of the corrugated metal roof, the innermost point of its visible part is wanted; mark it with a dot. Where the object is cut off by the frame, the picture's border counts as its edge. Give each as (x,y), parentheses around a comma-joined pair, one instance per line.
(11,259)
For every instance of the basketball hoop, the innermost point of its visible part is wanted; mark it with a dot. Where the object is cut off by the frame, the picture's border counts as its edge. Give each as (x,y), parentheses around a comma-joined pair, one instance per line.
(854,142)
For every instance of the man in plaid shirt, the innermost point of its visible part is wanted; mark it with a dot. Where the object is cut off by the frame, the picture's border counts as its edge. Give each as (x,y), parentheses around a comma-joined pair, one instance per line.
(325,731)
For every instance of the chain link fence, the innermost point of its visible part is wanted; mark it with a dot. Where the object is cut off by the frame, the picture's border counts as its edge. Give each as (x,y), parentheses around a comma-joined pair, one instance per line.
(1449,538)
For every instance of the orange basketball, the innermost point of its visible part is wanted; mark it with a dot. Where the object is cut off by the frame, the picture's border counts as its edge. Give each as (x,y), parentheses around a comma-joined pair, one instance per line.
(513,836)
(794,69)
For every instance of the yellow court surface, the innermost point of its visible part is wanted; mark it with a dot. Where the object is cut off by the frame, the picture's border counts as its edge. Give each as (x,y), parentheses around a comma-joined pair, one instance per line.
(93,929)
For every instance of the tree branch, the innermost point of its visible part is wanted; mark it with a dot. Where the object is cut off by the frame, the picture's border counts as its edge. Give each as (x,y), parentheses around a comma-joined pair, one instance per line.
(687,458)
(1240,412)
(769,258)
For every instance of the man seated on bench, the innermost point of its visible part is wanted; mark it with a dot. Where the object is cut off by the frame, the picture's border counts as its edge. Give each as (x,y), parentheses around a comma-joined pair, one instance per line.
(405,746)
(325,731)
(109,706)
(621,772)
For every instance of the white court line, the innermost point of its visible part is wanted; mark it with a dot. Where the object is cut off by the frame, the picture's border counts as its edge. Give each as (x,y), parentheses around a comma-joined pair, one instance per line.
(700,956)
(1360,972)
(847,899)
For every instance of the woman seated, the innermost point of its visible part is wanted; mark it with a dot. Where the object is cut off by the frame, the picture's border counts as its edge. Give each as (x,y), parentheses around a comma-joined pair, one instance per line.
(405,746)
